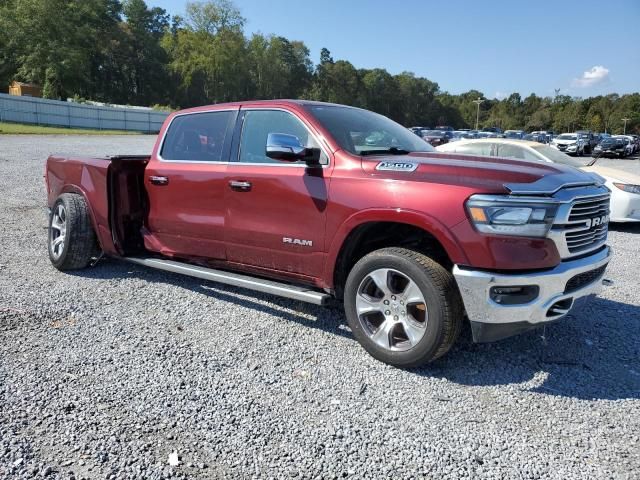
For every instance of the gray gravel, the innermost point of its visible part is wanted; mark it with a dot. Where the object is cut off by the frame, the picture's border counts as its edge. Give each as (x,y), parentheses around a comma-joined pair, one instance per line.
(106,372)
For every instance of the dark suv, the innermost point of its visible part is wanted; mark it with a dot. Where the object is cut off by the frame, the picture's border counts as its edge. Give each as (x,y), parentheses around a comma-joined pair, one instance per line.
(610,147)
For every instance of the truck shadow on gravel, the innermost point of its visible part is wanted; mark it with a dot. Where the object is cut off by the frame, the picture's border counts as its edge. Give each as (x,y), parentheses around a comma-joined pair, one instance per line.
(631,227)
(592,355)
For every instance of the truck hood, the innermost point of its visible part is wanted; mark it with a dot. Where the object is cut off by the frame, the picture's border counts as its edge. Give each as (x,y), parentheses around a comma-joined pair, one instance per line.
(486,174)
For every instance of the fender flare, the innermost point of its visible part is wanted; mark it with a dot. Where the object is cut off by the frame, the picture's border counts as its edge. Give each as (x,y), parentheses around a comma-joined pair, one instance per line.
(421,220)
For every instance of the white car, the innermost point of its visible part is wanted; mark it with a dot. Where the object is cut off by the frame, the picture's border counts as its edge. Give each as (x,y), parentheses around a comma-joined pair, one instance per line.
(570,143)
(625,187)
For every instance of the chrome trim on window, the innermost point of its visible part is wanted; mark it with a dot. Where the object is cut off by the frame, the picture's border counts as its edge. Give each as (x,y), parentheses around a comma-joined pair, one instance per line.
(283,164)
(166,130)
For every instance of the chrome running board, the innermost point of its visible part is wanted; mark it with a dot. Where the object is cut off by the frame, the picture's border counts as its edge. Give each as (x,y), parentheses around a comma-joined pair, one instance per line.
(294,292)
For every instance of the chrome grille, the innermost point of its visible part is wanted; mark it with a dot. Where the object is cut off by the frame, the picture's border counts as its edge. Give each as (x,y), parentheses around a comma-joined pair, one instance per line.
(589,209)
(585,231)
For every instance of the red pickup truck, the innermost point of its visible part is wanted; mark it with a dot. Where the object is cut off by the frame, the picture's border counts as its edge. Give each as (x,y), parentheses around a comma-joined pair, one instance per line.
(316,201)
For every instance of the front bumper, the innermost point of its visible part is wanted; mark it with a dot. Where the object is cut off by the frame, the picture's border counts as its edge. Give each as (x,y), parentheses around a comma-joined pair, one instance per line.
(557,296)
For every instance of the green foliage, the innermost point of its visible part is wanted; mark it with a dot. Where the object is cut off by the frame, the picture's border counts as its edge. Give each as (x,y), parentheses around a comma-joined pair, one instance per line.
(124,52)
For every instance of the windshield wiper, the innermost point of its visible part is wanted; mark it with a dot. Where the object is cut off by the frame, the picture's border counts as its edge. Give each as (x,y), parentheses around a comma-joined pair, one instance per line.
(386,151)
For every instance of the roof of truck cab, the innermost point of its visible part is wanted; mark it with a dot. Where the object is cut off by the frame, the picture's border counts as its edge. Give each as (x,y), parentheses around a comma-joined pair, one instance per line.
(261,103)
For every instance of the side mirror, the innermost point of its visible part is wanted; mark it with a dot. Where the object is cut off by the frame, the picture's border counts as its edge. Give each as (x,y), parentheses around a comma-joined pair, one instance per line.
(287,148)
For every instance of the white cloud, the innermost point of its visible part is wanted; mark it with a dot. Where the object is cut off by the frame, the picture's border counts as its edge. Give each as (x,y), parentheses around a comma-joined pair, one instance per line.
(501,95)
(593,76)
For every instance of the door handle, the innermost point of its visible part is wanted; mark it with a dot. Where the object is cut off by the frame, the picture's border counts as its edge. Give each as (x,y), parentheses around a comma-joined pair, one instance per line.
(159,180)
(240,186)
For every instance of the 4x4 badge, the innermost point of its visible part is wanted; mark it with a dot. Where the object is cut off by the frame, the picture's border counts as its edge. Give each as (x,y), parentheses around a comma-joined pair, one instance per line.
(397,166)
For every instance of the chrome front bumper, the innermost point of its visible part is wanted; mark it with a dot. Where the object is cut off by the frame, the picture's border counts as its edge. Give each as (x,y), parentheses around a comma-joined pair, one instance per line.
(492,321)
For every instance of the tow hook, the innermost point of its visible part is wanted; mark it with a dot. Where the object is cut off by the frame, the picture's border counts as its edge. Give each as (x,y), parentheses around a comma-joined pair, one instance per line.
(606,282)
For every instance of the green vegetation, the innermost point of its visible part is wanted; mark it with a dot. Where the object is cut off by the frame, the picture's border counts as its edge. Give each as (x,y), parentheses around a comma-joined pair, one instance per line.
(124,52)
(19,128)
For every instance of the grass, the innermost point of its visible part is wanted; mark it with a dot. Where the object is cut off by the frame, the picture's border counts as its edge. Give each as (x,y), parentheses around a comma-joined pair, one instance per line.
(23,129)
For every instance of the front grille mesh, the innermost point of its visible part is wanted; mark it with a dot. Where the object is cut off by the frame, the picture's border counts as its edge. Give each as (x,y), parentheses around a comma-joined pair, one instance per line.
(591,233)
(583,279)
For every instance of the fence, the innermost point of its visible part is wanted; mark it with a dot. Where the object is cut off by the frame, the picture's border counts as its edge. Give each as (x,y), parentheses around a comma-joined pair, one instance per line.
(74,115)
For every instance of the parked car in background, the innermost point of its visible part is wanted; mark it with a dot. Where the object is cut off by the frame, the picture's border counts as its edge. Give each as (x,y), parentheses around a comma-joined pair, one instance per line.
(496,130)
(540,137)
(514,134)
(589,138)
(625,187)
(569,143)
(629,148)
(633,142)
(459,135)
(418,130)
(483,134)
(610,147)
(446,128)
(436,137)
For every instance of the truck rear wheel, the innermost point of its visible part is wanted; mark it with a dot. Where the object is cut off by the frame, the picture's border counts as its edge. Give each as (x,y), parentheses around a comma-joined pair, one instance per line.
(72,241)
(403,307)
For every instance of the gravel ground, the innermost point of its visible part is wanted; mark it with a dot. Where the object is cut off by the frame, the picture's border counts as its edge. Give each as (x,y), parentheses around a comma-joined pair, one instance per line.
(106,372)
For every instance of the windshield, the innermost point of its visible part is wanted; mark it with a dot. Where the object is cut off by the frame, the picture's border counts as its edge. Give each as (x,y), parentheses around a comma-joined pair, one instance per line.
(559,157)
(359,131)
(566,136)
(435,133)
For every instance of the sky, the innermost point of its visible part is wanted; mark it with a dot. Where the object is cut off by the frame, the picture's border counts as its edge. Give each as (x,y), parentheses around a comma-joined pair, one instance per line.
(584,48)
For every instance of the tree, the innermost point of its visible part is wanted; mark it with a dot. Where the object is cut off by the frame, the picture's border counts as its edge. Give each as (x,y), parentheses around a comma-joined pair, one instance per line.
(145,69)
(279,68)
(54,40)
(209,54)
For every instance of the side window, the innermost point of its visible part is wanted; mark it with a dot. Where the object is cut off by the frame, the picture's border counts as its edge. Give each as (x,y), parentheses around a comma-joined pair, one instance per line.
(198,137)
(510,151)
(258,124)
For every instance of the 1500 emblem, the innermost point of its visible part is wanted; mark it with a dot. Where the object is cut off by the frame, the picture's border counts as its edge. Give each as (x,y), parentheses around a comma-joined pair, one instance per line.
(297,241)
(397,166)
(594,222)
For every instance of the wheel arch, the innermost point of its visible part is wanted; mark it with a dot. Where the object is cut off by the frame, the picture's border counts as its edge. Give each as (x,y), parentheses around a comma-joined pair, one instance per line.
(77,190)
(379,228)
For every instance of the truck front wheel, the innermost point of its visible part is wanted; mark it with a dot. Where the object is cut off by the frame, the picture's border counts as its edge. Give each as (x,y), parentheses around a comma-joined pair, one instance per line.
(403,307)
(72,241)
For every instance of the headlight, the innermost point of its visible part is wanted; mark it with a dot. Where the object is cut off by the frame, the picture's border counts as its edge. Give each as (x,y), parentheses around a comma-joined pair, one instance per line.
(509,216)
(628,188)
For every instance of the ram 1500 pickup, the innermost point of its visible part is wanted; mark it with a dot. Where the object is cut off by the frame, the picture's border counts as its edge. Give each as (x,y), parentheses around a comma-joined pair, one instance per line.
(316,201)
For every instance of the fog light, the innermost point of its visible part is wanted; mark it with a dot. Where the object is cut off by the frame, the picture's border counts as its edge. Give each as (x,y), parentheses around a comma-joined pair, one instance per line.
(514,295)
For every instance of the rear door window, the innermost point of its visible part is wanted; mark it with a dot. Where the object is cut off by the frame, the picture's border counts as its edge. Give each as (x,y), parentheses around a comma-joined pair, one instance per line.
(199,137)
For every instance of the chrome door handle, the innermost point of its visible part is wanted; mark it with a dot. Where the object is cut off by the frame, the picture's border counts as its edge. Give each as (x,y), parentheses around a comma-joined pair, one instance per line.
(159,180)
(240,185)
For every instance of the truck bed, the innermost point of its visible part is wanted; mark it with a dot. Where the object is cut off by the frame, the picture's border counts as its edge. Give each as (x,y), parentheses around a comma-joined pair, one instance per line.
(114,190)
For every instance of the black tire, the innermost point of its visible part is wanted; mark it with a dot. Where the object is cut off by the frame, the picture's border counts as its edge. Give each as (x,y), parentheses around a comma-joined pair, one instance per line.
(440,293)
(79,243)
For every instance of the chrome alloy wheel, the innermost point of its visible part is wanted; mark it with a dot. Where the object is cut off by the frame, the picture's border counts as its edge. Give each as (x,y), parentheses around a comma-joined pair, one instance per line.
(391,309)
(58,231)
